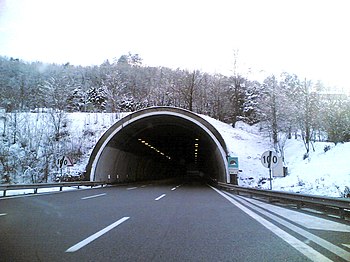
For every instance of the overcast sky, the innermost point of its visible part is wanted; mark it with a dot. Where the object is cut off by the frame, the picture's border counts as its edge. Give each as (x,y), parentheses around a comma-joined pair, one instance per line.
(306,37)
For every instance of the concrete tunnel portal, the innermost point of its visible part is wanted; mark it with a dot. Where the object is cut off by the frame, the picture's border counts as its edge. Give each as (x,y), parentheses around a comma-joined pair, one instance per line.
(159,143)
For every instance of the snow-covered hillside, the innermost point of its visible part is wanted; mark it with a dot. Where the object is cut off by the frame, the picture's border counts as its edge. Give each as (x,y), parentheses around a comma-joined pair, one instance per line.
(323,173)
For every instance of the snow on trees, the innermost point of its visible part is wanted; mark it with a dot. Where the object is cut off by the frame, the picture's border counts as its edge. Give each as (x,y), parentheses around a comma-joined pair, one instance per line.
(284,105)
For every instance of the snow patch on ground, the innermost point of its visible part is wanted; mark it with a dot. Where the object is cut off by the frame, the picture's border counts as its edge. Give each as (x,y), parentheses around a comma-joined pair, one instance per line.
(322,173)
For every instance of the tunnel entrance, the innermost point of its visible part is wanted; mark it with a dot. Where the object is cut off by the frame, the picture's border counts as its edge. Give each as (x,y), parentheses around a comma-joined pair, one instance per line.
(159,143)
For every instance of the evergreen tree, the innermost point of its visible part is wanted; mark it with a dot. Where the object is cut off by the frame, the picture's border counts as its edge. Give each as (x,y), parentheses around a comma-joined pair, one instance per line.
(97,98)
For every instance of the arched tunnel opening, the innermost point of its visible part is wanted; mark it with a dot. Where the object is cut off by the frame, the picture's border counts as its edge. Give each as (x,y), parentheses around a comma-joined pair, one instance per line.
(159,143)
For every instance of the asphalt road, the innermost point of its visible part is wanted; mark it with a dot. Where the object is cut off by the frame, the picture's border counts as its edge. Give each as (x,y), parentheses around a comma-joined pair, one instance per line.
(161,222)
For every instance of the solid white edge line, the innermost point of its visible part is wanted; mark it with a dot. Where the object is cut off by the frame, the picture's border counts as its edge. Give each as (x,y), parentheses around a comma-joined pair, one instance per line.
(320,241)
(88,197)
(303,248)
(160,197)
(91,238)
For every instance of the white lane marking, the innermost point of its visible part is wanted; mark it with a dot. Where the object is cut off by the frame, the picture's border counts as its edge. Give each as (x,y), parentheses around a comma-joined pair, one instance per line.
(320,241)
(4,214)
(309,252)
(160,197)
(174,188)
(131,188)
(91,238)
(346,245)
(302,219)
(88,197)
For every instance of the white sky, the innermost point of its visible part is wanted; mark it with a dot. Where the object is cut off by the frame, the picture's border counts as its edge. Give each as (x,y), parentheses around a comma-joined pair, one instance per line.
(307,37)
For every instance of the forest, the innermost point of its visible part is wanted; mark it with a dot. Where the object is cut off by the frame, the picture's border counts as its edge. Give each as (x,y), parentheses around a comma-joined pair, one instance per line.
(285,106)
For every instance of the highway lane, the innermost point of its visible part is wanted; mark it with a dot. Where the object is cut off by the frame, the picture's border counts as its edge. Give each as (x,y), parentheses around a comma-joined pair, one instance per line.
(154,222)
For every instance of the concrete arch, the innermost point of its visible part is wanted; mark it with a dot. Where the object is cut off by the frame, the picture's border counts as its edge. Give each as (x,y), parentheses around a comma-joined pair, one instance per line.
(156,143)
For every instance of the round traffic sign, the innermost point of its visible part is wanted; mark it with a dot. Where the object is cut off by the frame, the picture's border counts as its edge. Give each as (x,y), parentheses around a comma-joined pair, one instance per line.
(269,159)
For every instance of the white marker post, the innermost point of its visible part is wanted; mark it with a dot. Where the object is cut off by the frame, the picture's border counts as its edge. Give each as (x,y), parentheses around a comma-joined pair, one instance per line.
(269,159)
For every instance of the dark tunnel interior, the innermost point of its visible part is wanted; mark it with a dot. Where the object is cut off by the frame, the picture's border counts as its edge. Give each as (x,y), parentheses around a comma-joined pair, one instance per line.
(159,147)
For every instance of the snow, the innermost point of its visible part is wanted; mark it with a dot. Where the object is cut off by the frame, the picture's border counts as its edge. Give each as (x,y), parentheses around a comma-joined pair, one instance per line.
(323,173)
(92,126)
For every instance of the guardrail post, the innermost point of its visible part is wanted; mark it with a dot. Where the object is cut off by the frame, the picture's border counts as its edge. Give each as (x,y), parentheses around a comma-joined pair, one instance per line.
(35,190)
(4,194)
(342,213)
(61,188)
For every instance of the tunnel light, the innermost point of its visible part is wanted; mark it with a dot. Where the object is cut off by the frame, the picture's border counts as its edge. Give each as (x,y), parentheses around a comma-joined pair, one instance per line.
(153,148)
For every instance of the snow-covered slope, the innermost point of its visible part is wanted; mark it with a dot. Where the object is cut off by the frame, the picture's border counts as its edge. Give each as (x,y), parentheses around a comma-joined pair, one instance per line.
(244,142)
(323,173)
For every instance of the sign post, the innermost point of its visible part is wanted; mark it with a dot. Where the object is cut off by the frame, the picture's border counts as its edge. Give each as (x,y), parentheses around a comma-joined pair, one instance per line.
(270,160)
(233,169)
(62,162)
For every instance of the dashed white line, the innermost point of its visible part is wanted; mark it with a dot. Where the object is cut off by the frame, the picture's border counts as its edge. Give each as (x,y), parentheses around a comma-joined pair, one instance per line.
(131,188)
(174,188)
(91,238)
(160,197)
(4,214)
(88,197)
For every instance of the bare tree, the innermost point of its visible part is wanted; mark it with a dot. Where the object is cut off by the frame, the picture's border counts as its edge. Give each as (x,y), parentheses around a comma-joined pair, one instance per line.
(187,86)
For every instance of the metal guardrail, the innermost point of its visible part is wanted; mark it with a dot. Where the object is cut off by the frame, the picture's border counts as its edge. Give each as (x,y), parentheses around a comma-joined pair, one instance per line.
(331,205)
(6,187)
